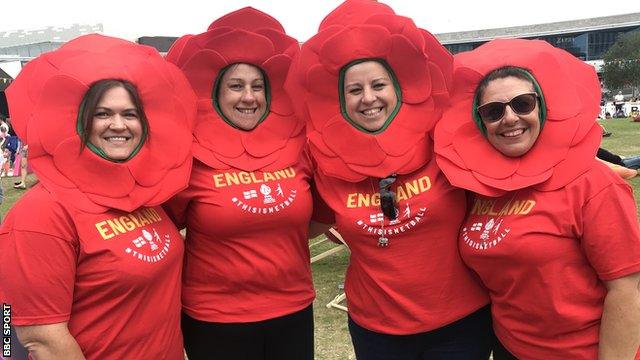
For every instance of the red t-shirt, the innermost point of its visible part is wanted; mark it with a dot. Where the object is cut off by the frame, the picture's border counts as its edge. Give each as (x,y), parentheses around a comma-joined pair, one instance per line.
(418,282)
(247,252)
(114,276)
(544,256)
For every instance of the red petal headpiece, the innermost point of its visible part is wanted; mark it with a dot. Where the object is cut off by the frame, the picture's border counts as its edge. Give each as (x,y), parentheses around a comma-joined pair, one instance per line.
(567,143)
(364,29)
(45,99)
(243,36)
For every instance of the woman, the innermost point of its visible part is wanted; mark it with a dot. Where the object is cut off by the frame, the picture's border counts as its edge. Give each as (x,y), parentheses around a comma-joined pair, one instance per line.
(372,85)
(551,231)
(89,261)
(247,287)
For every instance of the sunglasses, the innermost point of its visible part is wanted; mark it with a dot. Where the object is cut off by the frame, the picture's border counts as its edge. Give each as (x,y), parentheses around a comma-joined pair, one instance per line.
(522,105)
(388,197)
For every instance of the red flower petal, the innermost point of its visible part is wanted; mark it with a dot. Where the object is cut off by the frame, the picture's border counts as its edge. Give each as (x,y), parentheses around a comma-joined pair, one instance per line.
(282,43)
(411,70)
(409,126)
(480,156)
(89,172)
(354,12)
(249,19)
(401,26)
(360,149)
(352,43)
(175,52)
(272,134)
(59,104)
(201,70)
(227,44)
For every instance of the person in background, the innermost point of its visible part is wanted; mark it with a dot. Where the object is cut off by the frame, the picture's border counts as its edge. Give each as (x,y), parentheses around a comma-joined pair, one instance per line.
(22,184)
(89,261)
(247,286)
(551,231)
(371,85)
(619,103)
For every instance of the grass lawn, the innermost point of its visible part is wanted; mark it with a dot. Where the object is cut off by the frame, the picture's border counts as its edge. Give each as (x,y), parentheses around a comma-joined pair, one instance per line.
(331,334)
(624,141)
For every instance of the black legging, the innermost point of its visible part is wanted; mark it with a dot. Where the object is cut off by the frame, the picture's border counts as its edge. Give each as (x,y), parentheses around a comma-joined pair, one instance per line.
(289,337)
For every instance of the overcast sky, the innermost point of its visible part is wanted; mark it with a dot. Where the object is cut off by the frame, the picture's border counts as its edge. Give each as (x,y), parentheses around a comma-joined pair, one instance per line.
(134,18)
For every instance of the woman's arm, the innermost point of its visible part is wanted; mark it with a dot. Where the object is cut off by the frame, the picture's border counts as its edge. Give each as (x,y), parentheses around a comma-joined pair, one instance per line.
(49,342)
(620,326)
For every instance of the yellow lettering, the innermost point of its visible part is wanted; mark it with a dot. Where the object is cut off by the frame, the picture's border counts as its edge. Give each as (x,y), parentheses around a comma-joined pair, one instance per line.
(128,224)
(255,180)
(143,219)
(504,210)
(491,211)
(217,180)
(103,230)
(364,200)
(244,177)
(281,174)
(425,183)
(135,220)
(152,214)
(477,206)
(351,200)
(401,195)
(290,172)
(486,206)
(412,188)
(115,226)
(516,207)
(375,199)
(231,178)
(527,207)
(268,176)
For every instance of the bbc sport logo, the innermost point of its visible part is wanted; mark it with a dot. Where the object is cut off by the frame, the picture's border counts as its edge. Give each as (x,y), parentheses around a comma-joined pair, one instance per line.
(6,331)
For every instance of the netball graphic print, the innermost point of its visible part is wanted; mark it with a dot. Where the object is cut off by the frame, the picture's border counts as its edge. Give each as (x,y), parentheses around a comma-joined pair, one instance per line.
(487,224)
(267,192)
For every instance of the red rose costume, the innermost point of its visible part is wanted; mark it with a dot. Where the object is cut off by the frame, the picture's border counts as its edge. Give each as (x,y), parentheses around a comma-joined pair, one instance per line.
(111,256)
(559,222)
(567,143)
(418,283)
(248,205)
(277,141)
(366,30)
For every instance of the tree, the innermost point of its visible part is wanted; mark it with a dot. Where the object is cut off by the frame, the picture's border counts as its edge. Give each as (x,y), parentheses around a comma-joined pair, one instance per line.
(622,63)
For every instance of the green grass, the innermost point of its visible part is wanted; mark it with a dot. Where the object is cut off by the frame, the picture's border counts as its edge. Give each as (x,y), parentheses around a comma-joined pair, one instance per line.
(331,333)
(12,195)
(624,141)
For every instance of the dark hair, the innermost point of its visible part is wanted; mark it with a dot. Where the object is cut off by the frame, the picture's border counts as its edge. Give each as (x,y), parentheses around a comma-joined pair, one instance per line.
(501,73)
(93,96)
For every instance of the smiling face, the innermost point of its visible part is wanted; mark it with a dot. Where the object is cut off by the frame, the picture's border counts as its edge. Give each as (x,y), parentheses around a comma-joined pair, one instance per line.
(242,96)
(513,135)
(369,94)
(116,126)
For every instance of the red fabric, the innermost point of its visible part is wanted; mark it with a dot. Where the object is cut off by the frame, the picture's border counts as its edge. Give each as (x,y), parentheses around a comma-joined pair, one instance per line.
(243,36)
(567,143)
(422,66)
(418,283)
(546,260)
(45,99)
(247,254)
(61,264)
